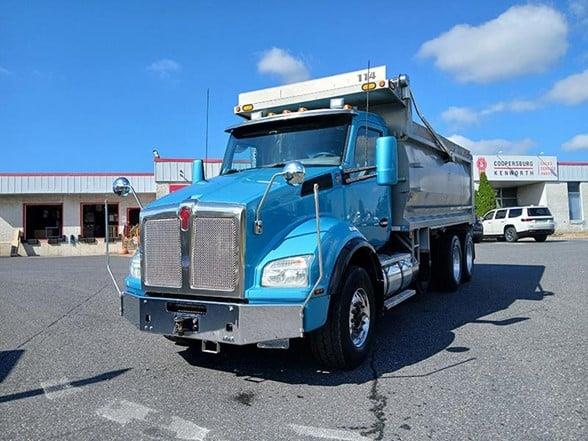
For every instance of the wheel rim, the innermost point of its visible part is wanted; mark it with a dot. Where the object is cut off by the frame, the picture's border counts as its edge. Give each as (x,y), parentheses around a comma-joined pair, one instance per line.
(509,235)
(469,255)
(359,318)
(456,262)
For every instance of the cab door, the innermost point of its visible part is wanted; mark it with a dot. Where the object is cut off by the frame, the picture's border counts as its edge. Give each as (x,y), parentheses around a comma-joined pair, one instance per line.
(367,204)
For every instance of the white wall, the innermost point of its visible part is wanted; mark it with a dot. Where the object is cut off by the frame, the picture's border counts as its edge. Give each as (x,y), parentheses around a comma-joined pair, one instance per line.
(532,194)
(556,195)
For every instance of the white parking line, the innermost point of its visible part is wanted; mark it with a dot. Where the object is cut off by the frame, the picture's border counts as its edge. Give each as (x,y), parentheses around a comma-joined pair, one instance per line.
(124,412)
(320,432)
(55,389)
(186,429)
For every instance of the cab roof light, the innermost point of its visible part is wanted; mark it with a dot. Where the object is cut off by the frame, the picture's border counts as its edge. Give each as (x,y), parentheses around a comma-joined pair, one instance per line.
(247,107)
(382,83)
(337,103)
(348,107)
(368,86)
(302,109)
(286,111)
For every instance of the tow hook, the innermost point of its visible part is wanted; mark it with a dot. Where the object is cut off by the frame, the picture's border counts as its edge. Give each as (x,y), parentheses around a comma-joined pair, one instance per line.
(184,324)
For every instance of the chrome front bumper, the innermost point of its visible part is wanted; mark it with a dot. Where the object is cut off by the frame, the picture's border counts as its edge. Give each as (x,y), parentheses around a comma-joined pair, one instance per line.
(232,323)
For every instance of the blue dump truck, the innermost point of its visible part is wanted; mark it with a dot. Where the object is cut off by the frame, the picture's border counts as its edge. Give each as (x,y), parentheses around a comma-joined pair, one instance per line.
(332,206)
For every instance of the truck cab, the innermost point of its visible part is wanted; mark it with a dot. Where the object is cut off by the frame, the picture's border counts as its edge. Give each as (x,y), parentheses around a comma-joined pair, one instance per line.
(326,213)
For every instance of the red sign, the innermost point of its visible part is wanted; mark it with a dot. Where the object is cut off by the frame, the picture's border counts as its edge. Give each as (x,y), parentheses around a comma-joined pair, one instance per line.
(481,164)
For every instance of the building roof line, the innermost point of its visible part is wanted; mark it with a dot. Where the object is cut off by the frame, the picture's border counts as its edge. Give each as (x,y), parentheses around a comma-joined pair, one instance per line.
(208,161)
(87,174)
(580,163)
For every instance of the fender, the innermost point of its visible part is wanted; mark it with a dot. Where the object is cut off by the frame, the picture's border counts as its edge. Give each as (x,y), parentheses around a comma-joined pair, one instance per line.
(340,242)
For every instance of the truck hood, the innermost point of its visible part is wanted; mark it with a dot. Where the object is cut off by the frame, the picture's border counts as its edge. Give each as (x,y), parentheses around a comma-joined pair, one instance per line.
(243,188)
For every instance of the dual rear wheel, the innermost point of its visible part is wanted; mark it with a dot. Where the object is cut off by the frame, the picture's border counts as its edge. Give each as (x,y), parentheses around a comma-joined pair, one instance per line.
(455,260)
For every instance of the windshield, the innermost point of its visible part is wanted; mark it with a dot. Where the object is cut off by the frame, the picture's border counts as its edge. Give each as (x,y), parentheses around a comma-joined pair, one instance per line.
(313,141)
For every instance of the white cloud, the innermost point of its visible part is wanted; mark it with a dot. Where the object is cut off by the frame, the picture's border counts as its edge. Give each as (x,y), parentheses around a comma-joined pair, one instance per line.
(276,61)
(578,142)
(460,116)
(568,91)
(579,11)
(524,39)
(493,146)
(571,90)
(165,67)
(463,116)
(4,71)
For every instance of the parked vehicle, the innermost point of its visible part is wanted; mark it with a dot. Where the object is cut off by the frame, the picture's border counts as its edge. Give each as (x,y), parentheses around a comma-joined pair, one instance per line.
(332,206)
(514,223)
(478,230)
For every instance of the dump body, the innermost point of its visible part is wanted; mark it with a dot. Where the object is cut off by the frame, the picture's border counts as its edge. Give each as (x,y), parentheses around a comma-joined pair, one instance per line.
(432,191)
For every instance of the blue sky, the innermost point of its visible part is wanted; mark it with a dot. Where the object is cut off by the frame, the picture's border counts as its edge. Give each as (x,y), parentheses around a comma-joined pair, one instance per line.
(94,86)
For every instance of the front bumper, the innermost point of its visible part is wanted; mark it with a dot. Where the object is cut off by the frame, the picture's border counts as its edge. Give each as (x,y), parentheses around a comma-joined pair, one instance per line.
(233,323)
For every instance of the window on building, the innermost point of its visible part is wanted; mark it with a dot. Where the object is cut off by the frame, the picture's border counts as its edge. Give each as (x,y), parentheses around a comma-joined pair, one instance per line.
(574,201)
(515,212)
(43,221)
(500,214)
(93,221)
(506,197)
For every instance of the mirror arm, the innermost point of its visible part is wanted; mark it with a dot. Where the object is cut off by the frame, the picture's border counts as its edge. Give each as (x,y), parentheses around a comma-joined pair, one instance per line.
(136,197)
(106,242)
(258,225)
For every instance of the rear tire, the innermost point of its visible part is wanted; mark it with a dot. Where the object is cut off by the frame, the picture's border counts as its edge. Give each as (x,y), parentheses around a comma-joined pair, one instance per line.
(469,255)
(541,238)
(450,263)
(510,234)
(345,341)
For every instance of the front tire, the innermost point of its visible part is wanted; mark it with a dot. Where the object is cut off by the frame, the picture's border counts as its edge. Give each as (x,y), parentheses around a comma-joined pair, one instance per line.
(345,341)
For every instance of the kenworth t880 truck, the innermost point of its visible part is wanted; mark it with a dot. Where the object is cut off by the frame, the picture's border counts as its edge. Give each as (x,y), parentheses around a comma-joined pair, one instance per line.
(332,206)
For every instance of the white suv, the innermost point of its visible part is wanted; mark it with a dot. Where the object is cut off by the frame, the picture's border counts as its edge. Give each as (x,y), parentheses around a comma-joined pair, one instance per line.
(514,223)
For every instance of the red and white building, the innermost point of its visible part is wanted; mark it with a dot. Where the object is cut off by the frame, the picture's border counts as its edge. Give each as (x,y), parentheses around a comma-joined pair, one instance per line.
(539,180)
(63,213)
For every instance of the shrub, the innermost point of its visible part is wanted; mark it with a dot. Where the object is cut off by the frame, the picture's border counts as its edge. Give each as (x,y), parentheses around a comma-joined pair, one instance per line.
(485,199)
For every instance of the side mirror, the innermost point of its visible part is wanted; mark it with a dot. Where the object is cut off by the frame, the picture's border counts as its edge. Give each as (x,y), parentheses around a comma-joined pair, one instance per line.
(386,161)
(294,172)
(121,186)
(197,171)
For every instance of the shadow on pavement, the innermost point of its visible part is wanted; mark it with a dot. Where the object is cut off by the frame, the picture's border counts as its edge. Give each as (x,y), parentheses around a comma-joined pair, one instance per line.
(8,360)
(406,335)
(78,383)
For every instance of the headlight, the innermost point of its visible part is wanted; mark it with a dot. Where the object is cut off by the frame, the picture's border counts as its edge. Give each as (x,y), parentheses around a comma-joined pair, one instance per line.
(135,266)
(291,272)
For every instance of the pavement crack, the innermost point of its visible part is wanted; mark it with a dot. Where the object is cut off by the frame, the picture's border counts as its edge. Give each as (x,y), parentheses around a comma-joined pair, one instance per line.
(57,320)
(379,402)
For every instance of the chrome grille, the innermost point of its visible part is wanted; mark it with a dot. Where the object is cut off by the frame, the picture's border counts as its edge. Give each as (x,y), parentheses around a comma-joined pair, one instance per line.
(162,253)
(216,261)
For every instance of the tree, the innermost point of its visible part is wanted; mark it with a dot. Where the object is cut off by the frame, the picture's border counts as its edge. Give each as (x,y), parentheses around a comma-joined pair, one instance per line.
(485,197)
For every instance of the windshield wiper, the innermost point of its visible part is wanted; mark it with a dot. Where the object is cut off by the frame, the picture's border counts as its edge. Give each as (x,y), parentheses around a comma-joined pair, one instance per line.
(275,164)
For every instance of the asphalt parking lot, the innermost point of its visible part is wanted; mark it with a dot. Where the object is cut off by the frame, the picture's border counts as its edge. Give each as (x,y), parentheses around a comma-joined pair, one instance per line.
(503,358)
